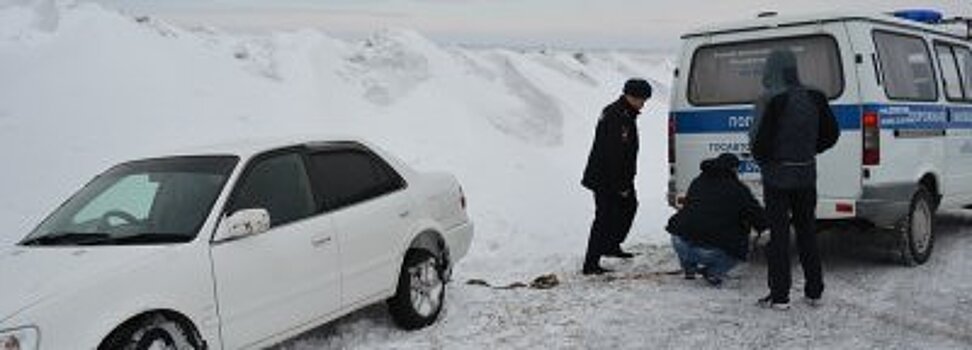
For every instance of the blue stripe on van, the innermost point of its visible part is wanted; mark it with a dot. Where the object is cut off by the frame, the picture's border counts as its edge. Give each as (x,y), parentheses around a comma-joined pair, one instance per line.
(892,116)
(911,116)
(739,119)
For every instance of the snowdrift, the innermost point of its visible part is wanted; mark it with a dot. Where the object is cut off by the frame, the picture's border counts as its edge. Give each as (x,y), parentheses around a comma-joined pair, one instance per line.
(84,88)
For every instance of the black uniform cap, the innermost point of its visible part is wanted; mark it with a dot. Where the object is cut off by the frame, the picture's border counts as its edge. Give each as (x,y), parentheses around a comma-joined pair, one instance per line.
(637,88)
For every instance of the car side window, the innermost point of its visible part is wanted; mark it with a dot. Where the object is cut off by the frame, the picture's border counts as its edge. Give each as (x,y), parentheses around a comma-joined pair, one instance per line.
(950,72)
(964,59)
(349,176)
(278,184)
(906,67)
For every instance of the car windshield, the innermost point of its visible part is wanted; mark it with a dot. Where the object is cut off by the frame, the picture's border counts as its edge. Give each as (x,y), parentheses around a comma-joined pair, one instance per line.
(151,201)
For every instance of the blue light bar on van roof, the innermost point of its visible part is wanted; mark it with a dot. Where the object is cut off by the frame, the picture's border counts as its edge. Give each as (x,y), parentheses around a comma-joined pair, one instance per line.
(923,16)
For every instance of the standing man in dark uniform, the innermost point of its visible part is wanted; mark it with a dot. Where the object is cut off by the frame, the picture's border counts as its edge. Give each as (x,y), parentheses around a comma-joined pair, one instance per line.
(610,172)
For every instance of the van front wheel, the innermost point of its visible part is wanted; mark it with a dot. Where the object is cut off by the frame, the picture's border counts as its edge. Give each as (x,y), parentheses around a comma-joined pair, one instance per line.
(915,232)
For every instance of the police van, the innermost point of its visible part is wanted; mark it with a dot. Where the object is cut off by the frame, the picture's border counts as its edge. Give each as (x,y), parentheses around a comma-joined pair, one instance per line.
(899,84)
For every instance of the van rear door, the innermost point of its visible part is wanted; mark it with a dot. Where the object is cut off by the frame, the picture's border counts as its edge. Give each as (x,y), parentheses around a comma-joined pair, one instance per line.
(712,105)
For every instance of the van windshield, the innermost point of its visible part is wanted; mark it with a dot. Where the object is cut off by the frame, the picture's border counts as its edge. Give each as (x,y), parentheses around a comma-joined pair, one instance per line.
(151,201)
(732,73)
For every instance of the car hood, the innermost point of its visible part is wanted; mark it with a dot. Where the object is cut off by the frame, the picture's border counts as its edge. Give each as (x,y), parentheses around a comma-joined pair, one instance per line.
(29,275)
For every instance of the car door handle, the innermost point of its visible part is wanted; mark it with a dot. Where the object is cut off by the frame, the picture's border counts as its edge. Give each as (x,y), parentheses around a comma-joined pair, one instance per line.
(317,242)
(404,213)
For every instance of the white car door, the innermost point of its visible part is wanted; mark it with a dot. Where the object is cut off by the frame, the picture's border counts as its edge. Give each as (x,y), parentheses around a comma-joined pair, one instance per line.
(372,212)
(283,278)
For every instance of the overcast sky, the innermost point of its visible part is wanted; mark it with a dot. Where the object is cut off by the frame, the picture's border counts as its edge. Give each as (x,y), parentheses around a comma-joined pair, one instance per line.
(570,23)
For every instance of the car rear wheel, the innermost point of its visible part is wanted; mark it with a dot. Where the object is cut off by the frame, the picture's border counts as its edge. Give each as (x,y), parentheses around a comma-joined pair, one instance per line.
(421,291)
(915,232)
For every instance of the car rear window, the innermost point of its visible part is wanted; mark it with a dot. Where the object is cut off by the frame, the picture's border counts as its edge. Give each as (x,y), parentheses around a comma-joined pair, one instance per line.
(732,73)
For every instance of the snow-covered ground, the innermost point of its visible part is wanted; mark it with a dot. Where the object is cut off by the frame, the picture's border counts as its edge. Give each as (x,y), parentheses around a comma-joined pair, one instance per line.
(870,303)
(82,88)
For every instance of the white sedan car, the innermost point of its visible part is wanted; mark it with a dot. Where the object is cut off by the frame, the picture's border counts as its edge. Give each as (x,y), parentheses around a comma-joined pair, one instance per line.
(234,247)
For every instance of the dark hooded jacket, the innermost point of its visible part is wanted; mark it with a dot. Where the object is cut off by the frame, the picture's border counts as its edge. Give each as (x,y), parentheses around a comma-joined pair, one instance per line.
(791,125)
(719,210)
(611,165)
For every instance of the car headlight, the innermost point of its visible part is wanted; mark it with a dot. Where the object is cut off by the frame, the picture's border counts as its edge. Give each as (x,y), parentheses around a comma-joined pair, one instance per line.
(24,338)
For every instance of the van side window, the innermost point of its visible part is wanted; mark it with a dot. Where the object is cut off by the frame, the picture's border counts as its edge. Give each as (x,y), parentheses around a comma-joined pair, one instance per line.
(278,184)
(732,73)
(906,67)
(964,59)
(950,72)
(347,177)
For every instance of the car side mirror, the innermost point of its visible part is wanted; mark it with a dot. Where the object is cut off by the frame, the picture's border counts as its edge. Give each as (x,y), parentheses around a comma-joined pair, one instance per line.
(243,223)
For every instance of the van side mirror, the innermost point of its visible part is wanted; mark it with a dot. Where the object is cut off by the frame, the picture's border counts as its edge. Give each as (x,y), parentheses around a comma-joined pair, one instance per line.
(243,223)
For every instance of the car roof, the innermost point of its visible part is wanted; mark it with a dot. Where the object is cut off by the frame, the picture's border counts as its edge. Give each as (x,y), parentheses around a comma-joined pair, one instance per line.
(816,18)
(248,147)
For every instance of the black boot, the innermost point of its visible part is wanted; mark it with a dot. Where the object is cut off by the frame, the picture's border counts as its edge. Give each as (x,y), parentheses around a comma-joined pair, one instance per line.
(595,270)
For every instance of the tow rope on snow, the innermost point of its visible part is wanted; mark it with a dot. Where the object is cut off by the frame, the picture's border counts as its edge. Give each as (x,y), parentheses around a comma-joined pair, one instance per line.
(547,281)
(640,276)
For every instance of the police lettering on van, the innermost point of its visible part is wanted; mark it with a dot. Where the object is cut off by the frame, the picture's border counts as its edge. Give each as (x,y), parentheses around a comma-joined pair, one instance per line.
(899,84)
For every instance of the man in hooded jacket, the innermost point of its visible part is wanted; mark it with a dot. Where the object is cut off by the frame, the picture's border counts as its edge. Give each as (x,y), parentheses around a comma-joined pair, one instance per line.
(792,124)
(610,172)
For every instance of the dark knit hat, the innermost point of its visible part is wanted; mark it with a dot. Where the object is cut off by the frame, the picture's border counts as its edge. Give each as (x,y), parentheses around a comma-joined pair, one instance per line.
(726,163)
(637,88)
(728,160)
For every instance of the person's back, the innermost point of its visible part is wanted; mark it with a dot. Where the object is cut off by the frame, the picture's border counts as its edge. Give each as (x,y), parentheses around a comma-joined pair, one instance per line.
(712,228)
(797,127)
(791,125)
(786,135)
(719,210)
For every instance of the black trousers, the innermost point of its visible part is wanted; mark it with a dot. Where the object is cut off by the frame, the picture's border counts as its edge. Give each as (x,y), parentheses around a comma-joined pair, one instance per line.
(783,207)
(612,221)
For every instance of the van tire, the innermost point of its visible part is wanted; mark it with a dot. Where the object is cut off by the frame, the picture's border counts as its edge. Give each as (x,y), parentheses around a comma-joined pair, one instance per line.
(915,232)
(421,290)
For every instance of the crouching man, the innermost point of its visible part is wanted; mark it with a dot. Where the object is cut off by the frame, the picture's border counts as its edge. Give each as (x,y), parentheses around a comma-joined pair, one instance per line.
(710,233)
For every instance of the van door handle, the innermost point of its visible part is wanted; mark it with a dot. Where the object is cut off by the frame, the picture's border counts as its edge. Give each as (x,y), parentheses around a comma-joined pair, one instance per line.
(320,241)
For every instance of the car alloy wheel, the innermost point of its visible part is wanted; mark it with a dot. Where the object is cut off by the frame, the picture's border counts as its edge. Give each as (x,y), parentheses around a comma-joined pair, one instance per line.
(420,295)
(426,292)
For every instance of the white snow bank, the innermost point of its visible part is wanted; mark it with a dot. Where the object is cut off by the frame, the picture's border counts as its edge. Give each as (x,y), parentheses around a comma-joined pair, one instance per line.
(99,87)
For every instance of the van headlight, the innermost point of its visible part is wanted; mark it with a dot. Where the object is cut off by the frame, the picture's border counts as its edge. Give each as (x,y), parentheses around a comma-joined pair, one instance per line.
(24,338)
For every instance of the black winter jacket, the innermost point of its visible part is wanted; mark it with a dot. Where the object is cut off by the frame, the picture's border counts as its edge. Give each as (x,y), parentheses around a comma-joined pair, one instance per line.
(611,165)
(719,211)
(791,125)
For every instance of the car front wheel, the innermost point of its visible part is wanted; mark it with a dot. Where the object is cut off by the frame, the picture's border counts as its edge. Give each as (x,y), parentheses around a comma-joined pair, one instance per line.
(153,332)
(421,291)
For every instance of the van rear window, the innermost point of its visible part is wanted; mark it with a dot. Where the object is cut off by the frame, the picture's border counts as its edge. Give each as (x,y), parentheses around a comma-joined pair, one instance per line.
(732,73)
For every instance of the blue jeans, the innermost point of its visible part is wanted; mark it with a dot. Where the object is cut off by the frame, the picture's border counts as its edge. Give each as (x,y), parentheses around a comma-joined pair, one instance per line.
(694,258)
